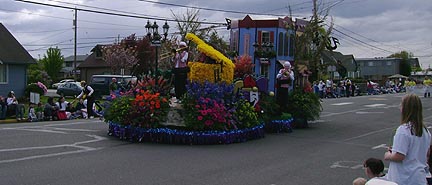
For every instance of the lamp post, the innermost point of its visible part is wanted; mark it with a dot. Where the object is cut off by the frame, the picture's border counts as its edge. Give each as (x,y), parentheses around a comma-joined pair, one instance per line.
(155,39)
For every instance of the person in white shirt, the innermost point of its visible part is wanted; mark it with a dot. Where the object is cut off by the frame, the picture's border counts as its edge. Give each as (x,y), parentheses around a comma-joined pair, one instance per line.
(62,105)
(13,104)
(408,155)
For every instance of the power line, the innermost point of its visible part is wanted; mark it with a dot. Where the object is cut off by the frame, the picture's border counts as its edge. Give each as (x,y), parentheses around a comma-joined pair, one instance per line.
(209,9)
(118,14)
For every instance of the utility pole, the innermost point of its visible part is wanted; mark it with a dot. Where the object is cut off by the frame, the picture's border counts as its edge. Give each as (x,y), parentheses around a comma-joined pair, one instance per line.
(75,44)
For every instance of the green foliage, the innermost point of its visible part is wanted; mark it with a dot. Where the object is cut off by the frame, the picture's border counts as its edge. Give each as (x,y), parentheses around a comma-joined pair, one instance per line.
(53,62)
(37,74)
(245,114)
(405,66)
(33,87)
(268,108)
(305,105)
(119,110)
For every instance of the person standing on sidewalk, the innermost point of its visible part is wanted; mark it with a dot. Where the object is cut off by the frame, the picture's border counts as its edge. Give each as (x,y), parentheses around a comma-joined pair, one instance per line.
(427,86)
(408,155)
(87,93)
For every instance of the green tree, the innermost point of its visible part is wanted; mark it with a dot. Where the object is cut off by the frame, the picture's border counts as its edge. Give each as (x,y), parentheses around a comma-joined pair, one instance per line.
(405,66)
(53,62)
(37,74)
(313,41)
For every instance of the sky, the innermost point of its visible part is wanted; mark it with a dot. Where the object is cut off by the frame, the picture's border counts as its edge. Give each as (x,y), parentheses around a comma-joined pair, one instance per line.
(365,28)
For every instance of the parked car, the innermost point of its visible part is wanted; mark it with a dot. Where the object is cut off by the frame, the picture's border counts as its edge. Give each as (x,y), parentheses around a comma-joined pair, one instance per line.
(69,89)
(56,85)
(100,83)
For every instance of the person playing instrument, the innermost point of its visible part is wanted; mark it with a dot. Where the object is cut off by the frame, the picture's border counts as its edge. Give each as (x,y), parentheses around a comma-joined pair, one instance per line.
(180,70)
(87,93)
(284,78)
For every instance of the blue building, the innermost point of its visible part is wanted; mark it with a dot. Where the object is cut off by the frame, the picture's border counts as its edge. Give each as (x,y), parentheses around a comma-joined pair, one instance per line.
(269,42)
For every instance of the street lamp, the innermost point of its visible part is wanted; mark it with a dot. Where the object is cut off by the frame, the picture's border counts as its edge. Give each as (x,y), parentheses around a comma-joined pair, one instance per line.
(155,39)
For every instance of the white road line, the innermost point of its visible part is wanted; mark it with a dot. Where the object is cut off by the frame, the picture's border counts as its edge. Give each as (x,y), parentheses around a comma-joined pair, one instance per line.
(370,133)
(375,105)
(74,145)
(39,130)
(360,112)
(343,103)
(380,146)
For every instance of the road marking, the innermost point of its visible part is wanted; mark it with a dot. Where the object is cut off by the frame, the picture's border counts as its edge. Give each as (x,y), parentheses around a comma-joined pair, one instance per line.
(343,103)
(380,146)
(369,112)
(375,105)
(377,99)
(370,133)
(74,145)
(37,130)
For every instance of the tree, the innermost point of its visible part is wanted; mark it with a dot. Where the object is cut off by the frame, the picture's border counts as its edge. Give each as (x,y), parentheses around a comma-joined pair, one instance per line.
(313,41)
(405,66)
(37,74)
(122,55)
(53,62)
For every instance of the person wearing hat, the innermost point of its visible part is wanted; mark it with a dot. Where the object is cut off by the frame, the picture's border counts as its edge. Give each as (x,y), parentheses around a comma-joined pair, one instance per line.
(180,70)
(284,79)
(13,104)
(87,93)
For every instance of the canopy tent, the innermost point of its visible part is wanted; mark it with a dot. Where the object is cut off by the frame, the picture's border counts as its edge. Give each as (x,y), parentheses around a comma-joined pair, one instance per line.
(397,76)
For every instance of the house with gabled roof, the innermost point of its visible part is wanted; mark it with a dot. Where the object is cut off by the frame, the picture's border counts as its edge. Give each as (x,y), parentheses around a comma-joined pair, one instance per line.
(68,65)
(14,60)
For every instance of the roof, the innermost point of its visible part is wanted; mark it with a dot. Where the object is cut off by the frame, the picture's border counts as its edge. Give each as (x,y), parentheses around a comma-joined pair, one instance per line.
(78,58)
(11,51)
(333,56)
(93,62)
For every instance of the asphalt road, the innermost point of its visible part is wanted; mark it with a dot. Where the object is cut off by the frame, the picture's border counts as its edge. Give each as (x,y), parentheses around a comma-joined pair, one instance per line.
(331,151)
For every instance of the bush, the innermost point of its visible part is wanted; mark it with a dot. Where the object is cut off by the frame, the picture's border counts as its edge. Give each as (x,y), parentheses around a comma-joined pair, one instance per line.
(305,105)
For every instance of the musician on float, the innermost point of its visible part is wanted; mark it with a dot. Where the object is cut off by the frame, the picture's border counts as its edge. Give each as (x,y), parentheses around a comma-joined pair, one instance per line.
(284,78)
(180,70)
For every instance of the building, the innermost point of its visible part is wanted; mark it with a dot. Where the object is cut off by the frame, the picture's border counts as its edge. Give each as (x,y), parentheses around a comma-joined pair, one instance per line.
(269,42)
(95,65)
(14,60)
(68,66)
(378,69)
(340,63)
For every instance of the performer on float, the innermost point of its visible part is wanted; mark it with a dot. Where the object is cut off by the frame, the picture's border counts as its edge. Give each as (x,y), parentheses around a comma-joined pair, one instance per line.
(284,78)
(180,70)
(427,86)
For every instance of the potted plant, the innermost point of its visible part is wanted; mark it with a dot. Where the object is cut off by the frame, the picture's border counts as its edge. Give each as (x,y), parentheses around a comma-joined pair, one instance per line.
(304,106)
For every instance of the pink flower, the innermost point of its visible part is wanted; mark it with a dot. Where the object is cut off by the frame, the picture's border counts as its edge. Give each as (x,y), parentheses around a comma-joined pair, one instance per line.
(208,122)
(200,118)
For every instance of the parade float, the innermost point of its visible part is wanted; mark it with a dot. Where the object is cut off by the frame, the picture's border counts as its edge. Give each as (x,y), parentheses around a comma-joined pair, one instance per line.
(216,109)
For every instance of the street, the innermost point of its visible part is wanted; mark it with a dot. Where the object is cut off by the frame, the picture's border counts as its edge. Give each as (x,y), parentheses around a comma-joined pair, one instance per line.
(331,151)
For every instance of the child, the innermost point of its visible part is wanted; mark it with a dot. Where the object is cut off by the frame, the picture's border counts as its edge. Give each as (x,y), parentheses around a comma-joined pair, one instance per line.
(39,111)
(32,113)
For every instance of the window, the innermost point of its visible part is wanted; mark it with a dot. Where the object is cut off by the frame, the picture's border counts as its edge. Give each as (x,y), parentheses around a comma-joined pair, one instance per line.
(246,43)
(265,37)
(291,45)
(370,63)
(264,70)
(68,64)
(234,43)
(280,44)
(389,63)
(3,73)
(286,44)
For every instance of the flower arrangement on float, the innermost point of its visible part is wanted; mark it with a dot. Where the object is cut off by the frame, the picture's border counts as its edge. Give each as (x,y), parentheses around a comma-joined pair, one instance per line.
(212,112)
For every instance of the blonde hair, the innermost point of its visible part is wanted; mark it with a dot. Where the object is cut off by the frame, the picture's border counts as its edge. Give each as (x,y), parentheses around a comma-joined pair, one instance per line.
(412,112)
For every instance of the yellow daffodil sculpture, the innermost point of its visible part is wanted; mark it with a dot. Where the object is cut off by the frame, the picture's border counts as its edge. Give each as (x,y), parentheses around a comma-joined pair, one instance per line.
(222,71)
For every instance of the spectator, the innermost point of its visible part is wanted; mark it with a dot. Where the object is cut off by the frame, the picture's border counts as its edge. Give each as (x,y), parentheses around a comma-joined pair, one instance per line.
(62,105)
(3,108)
(39,111)
(408,155)
(50,109)
(13,104)
(113,85)
(32,113)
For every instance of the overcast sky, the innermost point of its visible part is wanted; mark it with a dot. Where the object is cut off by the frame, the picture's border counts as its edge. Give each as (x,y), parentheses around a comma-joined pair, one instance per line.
(365,28)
